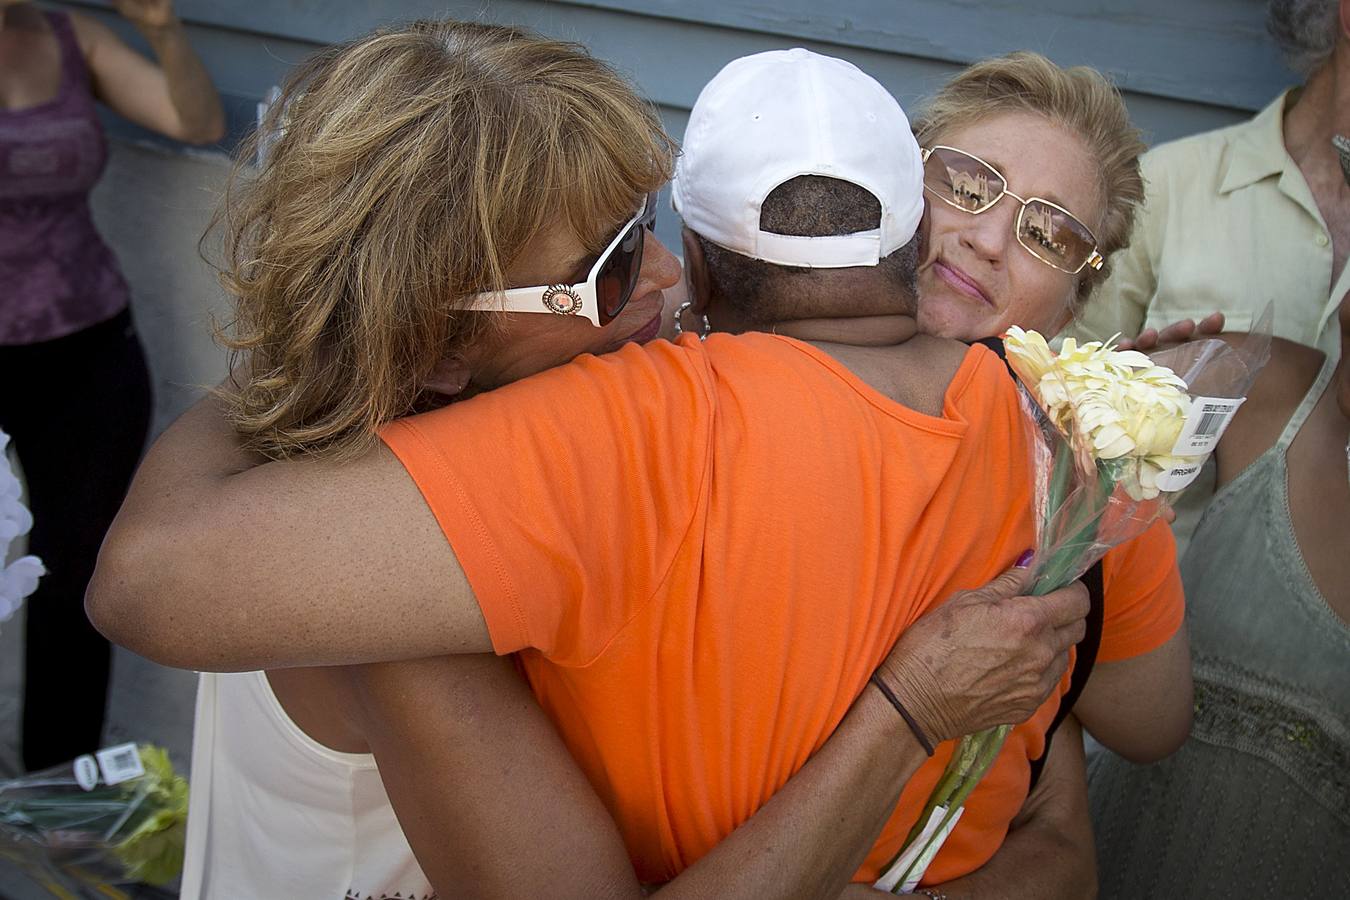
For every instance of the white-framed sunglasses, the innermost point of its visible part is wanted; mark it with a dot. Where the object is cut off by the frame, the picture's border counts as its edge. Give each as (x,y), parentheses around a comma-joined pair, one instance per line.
(604,293)
(1045,229)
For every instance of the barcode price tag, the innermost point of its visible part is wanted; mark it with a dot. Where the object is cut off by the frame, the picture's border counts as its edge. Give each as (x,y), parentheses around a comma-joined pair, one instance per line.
(120,763)
(1205,424)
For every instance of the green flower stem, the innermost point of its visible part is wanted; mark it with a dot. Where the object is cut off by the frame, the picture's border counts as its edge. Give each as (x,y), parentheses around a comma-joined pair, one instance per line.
(974,756)
(1057,492)
(1063,565)
(975,753)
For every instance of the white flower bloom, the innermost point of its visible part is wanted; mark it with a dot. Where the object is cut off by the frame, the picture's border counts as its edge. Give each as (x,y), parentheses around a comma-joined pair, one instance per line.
(1034,355)
(17,581)
(19,578)
(1117,403)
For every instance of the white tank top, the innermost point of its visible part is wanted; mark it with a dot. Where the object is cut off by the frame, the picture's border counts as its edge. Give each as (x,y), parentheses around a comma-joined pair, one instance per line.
(275,814)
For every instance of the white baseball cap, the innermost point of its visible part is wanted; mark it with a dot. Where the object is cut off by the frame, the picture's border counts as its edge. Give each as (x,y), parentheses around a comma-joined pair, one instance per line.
(770,117)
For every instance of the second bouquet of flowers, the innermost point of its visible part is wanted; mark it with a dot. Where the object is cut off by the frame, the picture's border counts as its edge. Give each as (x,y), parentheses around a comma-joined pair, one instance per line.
(1116,435)
(115,817)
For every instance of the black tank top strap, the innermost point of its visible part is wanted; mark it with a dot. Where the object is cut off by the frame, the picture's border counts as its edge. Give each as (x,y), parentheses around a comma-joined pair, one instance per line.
(73,69)
(995,345)
(1084,661)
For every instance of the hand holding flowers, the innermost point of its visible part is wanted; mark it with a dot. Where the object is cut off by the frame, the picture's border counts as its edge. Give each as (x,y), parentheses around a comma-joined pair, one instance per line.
(1114,435)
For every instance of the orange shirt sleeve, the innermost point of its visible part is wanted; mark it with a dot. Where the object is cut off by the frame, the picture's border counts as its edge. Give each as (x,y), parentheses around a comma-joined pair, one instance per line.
(565,496)
(1144,602)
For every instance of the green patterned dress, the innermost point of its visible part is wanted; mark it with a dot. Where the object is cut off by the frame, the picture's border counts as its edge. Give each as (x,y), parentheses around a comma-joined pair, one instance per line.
(1257,803)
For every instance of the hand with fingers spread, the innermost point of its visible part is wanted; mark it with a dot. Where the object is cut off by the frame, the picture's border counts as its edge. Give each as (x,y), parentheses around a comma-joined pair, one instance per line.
(985,657)
(1178,332)
(146,13)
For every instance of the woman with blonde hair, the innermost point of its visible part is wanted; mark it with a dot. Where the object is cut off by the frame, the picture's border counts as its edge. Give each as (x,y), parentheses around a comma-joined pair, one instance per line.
(1032,177)
(1032,174)
(408,171)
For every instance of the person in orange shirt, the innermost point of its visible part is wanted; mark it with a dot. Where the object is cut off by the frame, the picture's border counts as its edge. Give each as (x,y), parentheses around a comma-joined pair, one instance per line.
(1061,133)
(706,582)
(1005,129)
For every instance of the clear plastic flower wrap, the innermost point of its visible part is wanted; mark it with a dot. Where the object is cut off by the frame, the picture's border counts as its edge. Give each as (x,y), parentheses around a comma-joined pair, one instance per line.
(1115,437)
(1118,435)
(115,817)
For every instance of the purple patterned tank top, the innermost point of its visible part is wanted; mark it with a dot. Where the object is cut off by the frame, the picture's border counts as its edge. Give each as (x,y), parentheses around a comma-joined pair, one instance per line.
(56,274)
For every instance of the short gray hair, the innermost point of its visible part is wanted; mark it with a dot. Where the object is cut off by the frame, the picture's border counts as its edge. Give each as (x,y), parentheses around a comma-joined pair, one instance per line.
(1305,31)
(807,206)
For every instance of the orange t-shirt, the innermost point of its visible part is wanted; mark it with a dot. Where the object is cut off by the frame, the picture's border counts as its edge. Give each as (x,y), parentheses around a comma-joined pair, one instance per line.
(1144,602)
(702,551)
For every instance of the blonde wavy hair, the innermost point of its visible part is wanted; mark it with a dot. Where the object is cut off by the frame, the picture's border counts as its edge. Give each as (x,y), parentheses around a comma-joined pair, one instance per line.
(405,172)
(1080,100)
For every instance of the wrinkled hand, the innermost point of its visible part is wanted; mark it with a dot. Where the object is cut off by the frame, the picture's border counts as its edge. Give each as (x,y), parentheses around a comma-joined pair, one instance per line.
(1176,333)
(146,13)
(985,657)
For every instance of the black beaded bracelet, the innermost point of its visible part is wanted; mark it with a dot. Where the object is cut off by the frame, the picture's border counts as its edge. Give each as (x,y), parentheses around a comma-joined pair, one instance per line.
(904,714)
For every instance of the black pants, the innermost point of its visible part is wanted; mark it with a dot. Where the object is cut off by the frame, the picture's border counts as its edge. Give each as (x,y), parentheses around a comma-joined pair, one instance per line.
(77,409)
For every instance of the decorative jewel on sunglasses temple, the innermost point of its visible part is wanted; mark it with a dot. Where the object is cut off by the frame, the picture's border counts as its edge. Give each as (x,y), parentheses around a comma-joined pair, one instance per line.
(561,299)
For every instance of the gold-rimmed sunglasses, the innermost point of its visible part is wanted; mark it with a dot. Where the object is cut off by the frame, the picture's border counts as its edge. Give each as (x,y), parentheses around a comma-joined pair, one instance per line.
(1046,230)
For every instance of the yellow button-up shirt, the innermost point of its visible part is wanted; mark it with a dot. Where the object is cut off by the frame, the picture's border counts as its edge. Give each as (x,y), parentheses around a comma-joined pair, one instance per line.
(1228,224)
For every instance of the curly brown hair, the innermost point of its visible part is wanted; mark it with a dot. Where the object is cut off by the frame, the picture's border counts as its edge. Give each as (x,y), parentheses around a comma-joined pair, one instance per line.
(1079,99)
(406,170)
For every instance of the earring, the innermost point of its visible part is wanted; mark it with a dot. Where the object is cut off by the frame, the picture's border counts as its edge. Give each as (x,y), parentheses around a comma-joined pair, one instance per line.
(679,327)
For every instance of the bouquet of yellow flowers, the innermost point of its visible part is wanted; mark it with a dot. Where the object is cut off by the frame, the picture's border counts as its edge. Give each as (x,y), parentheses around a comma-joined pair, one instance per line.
(116,817)
(1115,436)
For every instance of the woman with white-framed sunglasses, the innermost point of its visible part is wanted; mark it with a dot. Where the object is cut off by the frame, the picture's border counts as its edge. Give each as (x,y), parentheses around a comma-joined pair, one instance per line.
(393,276)
(608,285)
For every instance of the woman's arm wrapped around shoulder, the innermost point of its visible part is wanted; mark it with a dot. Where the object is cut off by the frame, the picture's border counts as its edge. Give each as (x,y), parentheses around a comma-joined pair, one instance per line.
(494,806)
(222,561)
(1137,701)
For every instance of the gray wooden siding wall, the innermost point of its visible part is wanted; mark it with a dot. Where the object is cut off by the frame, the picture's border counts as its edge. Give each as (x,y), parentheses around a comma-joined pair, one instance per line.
(1184,65)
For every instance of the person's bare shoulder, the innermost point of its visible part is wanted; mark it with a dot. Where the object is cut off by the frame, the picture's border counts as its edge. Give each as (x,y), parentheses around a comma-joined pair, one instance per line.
(923,368)
(90,34)
(943,353)
(1278,390)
